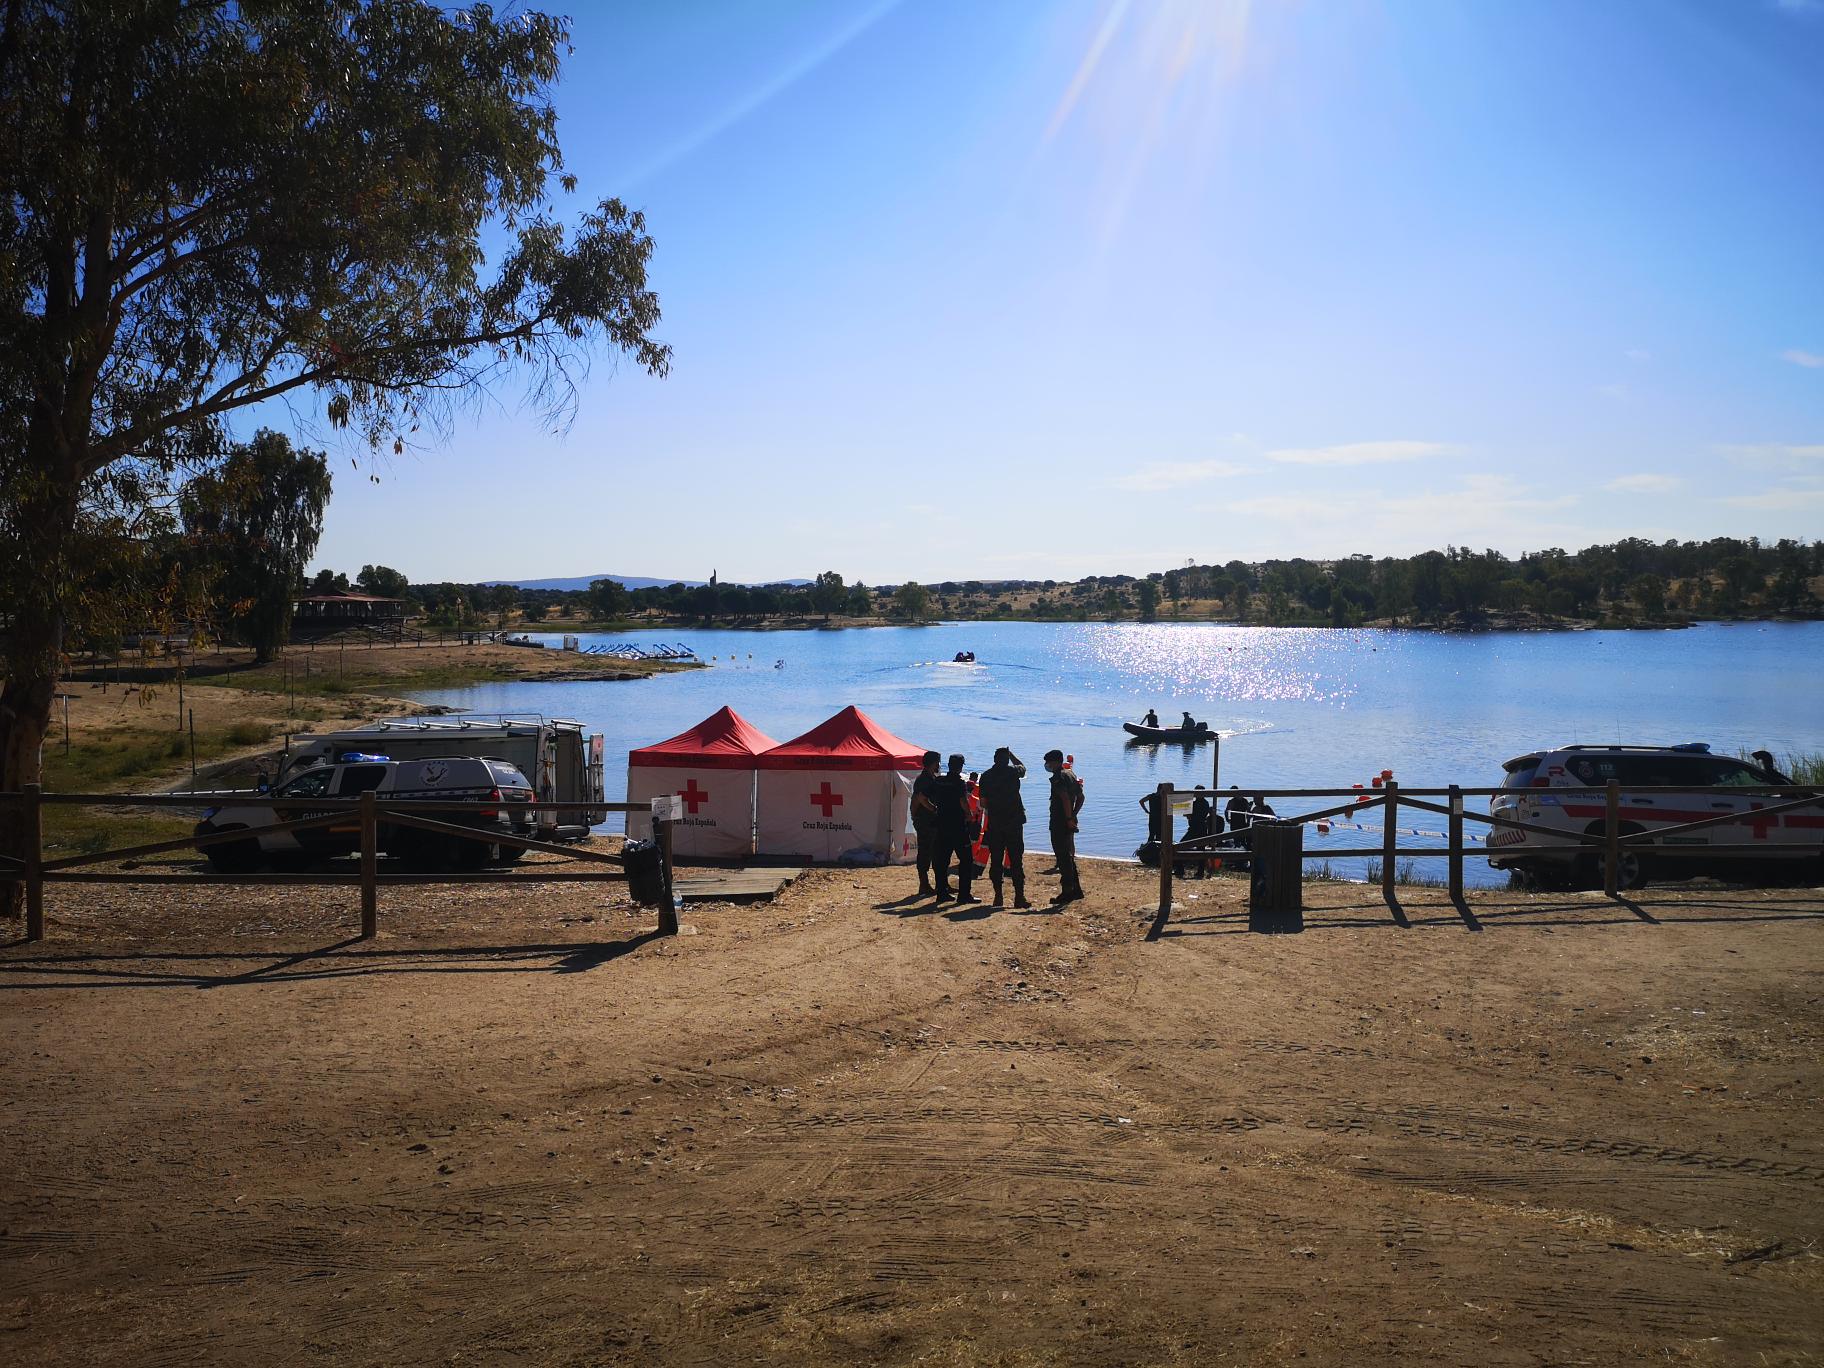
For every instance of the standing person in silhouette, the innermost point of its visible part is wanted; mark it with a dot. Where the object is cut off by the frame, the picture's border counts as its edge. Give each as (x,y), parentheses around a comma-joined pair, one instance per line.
(924,821)
(1006,813)
(1066,803)
(951,794)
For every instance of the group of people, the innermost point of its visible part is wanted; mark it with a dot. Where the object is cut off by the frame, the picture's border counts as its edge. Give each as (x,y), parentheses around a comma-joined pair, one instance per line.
(953,812)
(1152,720)
(1203,821)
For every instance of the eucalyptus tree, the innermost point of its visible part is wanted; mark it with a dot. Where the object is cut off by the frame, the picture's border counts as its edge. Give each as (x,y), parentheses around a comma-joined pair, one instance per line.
(254,522)
(212,206)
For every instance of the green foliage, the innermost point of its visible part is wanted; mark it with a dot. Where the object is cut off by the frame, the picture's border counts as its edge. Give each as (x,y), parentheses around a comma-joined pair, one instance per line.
(212,206)
(254,521)
(829,594)
(911,601)
(382,581)
(608,599)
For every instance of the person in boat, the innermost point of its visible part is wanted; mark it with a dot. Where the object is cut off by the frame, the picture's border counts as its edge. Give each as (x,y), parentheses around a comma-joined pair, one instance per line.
(1151,719)
(964,658)
(1189,723)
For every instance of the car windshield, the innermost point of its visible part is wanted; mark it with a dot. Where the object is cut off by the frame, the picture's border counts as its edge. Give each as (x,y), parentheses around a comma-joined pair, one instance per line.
(312,785)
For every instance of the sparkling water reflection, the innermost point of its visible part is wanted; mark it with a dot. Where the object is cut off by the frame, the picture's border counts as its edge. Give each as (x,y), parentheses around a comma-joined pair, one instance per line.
(1297,708)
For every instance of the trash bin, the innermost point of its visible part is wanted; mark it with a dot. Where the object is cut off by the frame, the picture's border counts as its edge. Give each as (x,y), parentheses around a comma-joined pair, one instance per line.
(1276,880)
(645,872)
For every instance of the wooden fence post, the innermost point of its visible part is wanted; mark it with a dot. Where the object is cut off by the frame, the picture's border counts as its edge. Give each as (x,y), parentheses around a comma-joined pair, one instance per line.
(33,823)
(668,907)
(370,889)
(1611,836)
(1456,843)
(1390,835)
(1162,818)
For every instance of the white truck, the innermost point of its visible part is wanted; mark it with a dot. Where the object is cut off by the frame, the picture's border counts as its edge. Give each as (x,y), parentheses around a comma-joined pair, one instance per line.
(563,763)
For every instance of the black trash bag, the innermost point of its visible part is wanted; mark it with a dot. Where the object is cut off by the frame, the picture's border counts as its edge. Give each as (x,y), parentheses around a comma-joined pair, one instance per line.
(645,872)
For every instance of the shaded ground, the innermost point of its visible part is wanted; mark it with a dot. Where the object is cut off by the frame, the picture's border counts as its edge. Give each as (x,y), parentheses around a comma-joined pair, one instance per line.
(847,1127)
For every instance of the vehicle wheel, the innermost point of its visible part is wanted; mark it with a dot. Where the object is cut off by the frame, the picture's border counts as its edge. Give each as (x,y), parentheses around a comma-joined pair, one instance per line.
(510,854)
(472,855)
(234,857)
(1630,864)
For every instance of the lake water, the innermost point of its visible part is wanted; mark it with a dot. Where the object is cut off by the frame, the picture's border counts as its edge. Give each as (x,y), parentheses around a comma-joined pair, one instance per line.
(1299,708)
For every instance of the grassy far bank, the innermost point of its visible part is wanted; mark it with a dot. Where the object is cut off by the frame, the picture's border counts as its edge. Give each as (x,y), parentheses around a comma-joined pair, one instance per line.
(128,733)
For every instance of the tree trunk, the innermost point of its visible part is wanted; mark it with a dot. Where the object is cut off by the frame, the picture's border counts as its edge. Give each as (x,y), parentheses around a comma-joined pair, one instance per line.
(25,716)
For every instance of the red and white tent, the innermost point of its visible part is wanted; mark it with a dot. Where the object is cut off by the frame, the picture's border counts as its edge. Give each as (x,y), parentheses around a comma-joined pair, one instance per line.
(711,769)
(842,791)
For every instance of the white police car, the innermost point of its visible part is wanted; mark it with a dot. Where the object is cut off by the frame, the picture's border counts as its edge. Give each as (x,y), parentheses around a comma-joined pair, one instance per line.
(493,786)
(1565,790)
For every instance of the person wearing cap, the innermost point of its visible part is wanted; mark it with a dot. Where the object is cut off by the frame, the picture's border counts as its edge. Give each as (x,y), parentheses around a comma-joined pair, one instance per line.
(1239,812)
(1066,803)
(924,820)
(1006,813)
(951,795)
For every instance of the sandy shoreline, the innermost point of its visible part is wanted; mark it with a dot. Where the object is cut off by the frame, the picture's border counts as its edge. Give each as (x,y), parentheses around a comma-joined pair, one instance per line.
(848,1127)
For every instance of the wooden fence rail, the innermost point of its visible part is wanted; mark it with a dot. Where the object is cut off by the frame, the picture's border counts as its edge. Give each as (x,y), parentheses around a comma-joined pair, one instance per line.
(1608,843)
(30,868)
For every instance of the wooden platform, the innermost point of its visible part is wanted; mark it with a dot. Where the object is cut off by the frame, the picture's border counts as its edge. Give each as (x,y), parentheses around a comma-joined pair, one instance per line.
(731,885)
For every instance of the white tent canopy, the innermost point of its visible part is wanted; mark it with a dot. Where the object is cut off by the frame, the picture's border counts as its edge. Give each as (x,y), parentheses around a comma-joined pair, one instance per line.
(711,770)
(840,792)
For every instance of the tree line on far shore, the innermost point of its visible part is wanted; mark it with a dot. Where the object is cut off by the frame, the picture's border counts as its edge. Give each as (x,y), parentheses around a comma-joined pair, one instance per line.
(1630,581)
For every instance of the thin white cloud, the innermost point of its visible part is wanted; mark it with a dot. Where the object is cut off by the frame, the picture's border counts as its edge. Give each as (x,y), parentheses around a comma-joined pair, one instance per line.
(1612,391)
(1644,484)
(1477,509)
(1780,499)
(1359,453)
(1163,475)
(1638,354)
(1806,7)
(1810,360)
(1774,455)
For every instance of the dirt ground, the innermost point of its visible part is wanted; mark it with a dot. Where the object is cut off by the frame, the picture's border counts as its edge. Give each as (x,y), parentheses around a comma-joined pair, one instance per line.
(848,1127)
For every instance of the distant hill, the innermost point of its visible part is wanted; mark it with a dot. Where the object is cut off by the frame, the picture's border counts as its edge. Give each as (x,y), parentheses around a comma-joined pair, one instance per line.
(627,581)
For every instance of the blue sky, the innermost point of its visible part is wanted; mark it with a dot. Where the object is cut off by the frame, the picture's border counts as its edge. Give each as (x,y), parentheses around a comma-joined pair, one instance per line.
(1011,290)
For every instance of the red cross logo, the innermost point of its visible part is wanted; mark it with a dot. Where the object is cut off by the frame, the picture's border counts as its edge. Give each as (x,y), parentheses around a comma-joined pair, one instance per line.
(826,799)
(1761,824)
(694,797)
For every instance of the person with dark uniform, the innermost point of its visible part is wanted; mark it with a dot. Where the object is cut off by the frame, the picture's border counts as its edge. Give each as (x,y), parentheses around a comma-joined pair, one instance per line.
(1156,822)
(1066,803)
(1006,813)
(951,795)
(1198,827)
(1239,814)
(924,820)
(1152,718)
